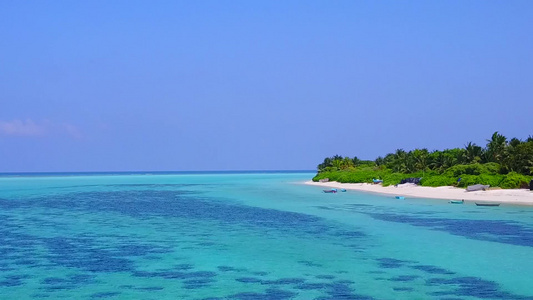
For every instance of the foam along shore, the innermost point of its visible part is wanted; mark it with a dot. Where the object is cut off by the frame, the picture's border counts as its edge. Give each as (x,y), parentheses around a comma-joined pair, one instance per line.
(515,196)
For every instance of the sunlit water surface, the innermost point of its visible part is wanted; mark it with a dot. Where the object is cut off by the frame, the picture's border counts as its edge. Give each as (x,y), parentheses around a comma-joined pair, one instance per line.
(251,236)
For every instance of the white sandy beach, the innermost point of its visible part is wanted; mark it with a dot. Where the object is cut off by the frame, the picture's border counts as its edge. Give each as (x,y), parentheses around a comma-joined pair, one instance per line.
(517,196)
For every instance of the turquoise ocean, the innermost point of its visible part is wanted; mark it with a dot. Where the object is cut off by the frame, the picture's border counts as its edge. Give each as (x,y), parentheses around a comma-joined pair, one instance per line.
(250,235)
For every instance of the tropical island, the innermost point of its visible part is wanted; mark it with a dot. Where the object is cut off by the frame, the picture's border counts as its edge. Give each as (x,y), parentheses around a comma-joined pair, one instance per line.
(502,163)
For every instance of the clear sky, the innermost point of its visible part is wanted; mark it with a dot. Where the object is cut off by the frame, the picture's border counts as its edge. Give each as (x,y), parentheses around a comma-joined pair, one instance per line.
(256,85)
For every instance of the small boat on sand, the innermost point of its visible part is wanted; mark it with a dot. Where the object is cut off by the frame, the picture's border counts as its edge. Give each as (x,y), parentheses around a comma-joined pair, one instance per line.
(330,191)
(477,187)
(457,201)
(400,197)
(487,204)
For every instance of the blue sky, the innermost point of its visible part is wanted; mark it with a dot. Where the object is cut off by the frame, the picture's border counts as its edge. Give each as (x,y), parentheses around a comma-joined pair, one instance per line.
(255,85)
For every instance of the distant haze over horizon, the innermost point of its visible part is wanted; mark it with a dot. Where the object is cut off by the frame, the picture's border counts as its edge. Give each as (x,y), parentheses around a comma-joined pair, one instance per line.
(116,86)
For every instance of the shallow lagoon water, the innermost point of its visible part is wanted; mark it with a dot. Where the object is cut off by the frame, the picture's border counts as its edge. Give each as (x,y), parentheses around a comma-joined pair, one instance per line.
(251,236)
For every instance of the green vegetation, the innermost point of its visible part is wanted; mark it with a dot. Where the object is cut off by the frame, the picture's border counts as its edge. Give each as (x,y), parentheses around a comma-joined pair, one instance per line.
(502,163)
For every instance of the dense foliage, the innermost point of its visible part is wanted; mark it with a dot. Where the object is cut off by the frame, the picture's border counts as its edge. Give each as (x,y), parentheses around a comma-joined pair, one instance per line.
(502,163)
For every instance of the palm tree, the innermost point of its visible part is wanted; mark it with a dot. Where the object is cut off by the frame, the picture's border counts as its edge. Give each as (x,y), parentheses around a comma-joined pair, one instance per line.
(325,164)
(514,142)
(388,160)
(473,153)
(441,161)
(410,163)
(337,157)
(496,147)
(421,159)
(347,162)
(435,160)
(337,163)
(400,161)
(519,156)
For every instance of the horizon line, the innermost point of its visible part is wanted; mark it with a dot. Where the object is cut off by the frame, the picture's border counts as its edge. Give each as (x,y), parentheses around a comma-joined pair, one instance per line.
(159,172)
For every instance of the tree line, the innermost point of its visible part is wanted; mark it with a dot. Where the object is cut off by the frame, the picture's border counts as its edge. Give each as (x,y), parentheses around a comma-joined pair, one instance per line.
(512,155)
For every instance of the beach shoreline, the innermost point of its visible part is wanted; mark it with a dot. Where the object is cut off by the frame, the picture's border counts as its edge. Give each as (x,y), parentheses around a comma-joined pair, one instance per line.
(507,196)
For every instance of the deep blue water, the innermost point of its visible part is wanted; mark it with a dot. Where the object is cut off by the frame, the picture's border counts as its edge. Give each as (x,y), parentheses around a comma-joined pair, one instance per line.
(250,235)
